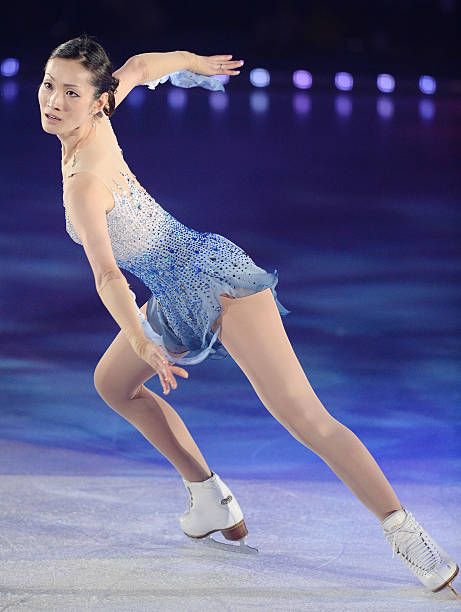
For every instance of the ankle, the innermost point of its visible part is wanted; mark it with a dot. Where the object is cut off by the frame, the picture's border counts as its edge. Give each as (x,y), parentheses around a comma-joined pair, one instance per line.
(391,512)
(199,478)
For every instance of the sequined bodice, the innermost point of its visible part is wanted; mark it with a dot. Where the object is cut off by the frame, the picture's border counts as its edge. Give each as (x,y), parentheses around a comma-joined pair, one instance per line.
(161,251)
(135,222)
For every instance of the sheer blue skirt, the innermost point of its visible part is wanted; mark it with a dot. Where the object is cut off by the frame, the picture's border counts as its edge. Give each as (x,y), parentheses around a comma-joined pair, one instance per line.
(192,345)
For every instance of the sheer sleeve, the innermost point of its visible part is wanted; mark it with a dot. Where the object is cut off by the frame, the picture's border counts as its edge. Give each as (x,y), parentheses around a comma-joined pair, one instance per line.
(187,79)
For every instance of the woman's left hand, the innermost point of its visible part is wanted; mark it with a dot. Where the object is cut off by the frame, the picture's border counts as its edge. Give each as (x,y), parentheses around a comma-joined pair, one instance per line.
(215,64)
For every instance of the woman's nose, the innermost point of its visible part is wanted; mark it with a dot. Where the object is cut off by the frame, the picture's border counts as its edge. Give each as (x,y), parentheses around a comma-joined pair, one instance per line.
(53,100)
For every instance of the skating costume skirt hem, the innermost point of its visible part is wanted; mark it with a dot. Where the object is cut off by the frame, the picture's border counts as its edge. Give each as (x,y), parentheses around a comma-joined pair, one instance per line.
(190,347)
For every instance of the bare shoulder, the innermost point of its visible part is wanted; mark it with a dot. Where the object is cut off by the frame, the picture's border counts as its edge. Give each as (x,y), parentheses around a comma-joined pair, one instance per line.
(86,191)
(130,75)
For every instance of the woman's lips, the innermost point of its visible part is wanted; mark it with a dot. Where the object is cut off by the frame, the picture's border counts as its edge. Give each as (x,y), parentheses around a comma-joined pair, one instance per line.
(49,118)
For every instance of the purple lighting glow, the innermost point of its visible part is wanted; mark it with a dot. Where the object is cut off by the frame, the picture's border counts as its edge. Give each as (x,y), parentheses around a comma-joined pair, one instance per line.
(259,77)
(224,78)
(9,90)
(136,97)
(218,101)
(259,101)
(385,107)
(302,79)
(426,109)
(343,105)
(9,67)
(385,83)
(176,98)
(344,81)
(427,84)
(301,103)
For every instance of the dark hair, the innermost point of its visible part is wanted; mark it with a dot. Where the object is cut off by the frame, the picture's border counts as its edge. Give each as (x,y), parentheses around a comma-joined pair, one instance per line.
(92,56)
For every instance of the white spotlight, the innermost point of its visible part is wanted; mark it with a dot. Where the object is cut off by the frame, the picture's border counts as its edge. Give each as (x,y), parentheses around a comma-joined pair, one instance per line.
(259,77)
(9,67)
(302,79)
(344,81)
(427,84)
(385,83)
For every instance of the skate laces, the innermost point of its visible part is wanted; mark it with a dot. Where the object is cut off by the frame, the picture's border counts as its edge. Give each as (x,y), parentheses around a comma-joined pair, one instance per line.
(415,546)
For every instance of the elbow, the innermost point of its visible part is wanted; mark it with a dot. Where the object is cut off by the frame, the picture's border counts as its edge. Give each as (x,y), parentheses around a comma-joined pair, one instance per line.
(103,277)
(140,68)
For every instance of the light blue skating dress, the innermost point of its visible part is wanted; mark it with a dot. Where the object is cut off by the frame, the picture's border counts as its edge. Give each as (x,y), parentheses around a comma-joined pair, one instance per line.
(185,270)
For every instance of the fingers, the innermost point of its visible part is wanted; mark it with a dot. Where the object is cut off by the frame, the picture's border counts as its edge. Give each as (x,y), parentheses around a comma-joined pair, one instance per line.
(156,357)
(167,377)
(222,64)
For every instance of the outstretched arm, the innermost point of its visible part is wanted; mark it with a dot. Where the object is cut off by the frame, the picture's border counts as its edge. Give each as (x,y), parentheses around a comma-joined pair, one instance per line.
(156,65)
(144,67)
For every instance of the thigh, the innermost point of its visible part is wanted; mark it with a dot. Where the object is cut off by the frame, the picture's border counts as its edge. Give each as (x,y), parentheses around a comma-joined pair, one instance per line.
(252,332)
(120,372)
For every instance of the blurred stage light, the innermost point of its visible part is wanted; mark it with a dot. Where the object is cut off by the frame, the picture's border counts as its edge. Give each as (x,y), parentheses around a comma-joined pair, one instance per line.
(9,90)
(427,84)
(259,77)
(259,101)
(224,78)
(343,106)
(9,67)
(136,97)
(302,79)
(301,103)
(385,83)
(385,107)
(344,81)
(176,98)
(218,100)
(426,109)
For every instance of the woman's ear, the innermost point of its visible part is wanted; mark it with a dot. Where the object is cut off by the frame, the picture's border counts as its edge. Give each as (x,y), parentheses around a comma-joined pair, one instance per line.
(102,102)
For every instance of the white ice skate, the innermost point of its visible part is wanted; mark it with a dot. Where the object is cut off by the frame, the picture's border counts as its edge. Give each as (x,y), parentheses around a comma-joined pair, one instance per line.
(428,561)
(213,507)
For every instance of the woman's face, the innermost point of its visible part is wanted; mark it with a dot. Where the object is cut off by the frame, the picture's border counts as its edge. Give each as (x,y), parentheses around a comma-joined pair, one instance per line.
(66,93)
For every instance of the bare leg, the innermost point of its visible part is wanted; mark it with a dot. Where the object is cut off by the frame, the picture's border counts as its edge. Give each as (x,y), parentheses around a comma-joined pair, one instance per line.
(119,378)
(252,332)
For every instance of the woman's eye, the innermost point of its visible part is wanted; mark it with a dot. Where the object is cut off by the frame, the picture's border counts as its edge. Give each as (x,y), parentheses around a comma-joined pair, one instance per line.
(47,83)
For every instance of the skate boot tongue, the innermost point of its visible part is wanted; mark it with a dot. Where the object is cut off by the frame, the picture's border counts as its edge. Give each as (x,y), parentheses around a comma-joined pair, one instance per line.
(394,520)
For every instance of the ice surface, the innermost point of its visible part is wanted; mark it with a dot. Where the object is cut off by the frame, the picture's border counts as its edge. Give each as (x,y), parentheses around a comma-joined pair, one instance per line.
(102,541)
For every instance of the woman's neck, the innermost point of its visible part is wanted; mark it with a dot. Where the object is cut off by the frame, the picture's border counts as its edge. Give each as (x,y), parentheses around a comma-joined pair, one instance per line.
(71,143)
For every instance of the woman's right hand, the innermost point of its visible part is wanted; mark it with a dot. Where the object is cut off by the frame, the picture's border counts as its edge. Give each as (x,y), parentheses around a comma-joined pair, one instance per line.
(154,355)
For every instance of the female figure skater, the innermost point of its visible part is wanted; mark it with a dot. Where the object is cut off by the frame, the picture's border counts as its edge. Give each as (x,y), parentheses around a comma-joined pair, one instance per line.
(208,299)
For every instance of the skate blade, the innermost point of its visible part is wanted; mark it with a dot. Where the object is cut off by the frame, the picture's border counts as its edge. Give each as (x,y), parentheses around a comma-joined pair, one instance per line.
(448,585)
(242,547)
(455,593)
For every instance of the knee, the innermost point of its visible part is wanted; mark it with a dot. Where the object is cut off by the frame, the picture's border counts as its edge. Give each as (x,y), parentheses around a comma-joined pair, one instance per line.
(106,384)
(304,415)
(114,389)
